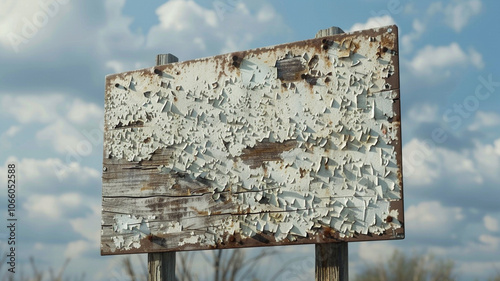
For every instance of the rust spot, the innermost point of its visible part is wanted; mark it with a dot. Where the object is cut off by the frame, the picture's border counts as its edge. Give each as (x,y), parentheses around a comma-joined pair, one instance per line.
(266,151)
(238,58)
(389,219)
(328,232)
(303,173)
(200,212)
(147,187)
(147,140)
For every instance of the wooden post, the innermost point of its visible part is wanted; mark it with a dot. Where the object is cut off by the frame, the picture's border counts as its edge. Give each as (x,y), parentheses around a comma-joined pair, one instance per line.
(332,259)
(332,262)
(161,266)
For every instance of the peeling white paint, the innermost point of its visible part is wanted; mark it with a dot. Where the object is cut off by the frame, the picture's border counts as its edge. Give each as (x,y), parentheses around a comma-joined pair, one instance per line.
(136,228)
(343,173)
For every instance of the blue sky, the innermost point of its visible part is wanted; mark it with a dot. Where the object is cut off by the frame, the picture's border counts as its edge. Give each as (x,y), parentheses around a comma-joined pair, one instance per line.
(54,56)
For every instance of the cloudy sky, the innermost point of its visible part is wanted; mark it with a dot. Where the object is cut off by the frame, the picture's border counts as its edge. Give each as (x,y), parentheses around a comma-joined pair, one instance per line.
(54,56)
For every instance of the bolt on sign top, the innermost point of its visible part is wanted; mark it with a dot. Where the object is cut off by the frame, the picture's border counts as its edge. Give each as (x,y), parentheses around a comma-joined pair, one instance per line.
(292,144)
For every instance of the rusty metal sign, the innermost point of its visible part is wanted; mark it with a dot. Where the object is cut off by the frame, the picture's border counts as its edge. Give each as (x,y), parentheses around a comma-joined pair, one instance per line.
(292,144)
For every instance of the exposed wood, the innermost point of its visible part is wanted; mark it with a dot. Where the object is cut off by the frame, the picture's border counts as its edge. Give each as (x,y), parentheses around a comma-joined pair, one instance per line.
(291,144)
(161,266)
(332,262)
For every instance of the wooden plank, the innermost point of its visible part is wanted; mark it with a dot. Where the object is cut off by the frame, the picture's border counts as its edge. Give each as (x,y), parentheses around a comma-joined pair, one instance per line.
(291,144)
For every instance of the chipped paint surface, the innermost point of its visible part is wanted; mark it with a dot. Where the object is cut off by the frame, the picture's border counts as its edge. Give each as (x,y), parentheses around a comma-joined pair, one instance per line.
(297,143)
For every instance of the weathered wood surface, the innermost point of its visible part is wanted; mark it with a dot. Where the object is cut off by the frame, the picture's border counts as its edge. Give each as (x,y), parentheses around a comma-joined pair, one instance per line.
(161,266)
(291,144)
(331,262)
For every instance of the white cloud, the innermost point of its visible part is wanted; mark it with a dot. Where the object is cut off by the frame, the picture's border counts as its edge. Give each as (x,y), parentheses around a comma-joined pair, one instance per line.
(89,226)
(484,120)
(487,158)
(476,58)
(50,206)
(408,39)
(81,112)
(23,22)
(12,131)
(116,36)
(491,223)
(425,163)
(373,252)
(459,13)
(491,241)
(373,23)
(432,61)
(32,108)
(181,15)
(116,66)
(53,172)
(423,113)
(190,31)
(434,8)
(78,248)
(266,14)
(61,136)
(67,120)
(433,217)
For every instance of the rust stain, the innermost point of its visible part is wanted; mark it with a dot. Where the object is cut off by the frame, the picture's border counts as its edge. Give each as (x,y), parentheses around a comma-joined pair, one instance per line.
(146,187)
(303,173)
(201,213)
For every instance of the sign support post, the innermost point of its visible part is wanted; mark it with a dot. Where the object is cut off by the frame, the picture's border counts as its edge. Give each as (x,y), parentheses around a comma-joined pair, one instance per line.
(161,266)
(332,259)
